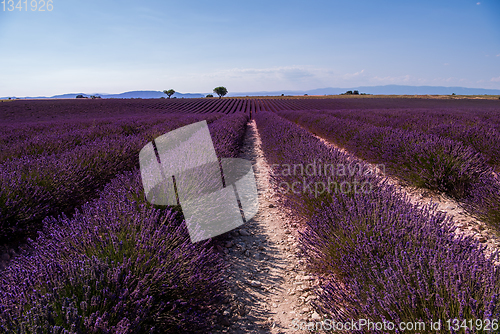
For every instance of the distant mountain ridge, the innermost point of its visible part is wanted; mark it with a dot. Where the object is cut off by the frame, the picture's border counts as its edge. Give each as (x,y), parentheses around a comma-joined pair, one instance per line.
(149,94)
(143,94)
(382,90)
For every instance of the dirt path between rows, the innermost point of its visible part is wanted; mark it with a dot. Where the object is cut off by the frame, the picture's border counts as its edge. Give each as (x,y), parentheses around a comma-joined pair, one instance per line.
(270,291)
(270,288)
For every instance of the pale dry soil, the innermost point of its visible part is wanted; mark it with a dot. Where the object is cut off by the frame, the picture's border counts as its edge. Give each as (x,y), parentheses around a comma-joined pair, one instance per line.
(269,285)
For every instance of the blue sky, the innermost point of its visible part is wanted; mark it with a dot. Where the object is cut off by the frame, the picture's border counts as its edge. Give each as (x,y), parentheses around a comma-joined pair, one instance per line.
(112,46)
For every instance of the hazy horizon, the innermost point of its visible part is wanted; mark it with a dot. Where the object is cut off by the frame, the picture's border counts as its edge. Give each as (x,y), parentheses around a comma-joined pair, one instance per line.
(371,90)
(193,46)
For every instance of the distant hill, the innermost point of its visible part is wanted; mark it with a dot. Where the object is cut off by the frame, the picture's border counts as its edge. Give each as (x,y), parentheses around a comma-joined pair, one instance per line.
(143,94)
(149,94)
(382,90)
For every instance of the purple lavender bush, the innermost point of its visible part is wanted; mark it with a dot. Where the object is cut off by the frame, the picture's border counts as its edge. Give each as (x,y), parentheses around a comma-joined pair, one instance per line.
(438,164)
(483,138)
(381,257)
(397,262)
(484,200)
(278,139)
(228,133)
(34,186)
(423,160)
(116,266)
(47,138)
(477,128)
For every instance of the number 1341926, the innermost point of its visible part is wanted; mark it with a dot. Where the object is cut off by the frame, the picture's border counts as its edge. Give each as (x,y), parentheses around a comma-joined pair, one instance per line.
(25,5)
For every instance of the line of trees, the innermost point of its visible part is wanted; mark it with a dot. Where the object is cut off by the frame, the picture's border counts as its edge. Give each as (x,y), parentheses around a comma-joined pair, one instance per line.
(352,92)
(86,97)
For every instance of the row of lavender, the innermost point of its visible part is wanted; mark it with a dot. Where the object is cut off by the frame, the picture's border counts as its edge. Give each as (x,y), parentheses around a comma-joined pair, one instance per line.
(47,138)
(422,159)
(65,163)
(119,265)
(50,110)
(478,128)
(381,257)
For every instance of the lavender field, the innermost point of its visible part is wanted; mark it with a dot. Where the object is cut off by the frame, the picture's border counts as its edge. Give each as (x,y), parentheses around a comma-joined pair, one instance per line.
(82,251)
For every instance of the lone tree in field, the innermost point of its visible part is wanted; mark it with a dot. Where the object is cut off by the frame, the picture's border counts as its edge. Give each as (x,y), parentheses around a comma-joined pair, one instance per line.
(221,91)
(169,92)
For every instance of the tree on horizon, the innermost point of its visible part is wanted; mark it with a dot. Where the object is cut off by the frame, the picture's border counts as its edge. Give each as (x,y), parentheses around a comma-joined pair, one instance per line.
(221,91)
(169,92)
